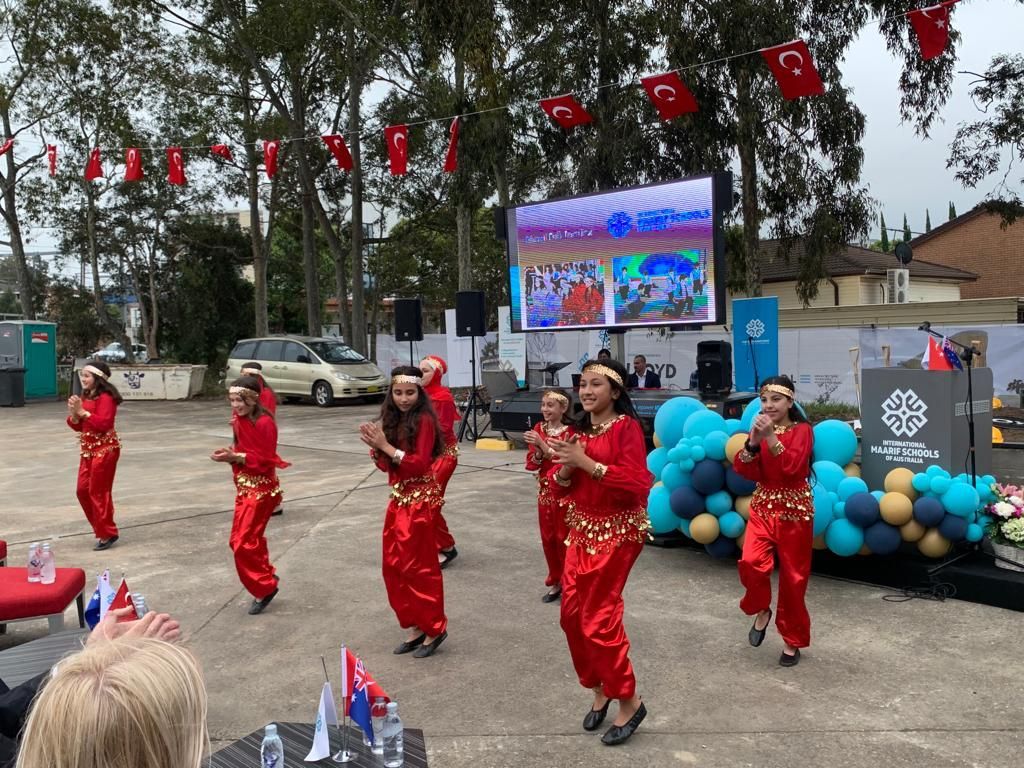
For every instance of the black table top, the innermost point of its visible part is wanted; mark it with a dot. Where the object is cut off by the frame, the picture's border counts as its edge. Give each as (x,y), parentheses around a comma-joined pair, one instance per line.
(25,661)
(298,738)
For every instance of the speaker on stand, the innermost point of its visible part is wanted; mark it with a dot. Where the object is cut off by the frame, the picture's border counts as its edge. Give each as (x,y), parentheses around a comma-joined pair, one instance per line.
(409,323)
(714,367)
(471,321)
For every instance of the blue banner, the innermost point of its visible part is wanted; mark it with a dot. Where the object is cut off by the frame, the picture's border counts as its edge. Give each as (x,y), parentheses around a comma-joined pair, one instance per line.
(755,341)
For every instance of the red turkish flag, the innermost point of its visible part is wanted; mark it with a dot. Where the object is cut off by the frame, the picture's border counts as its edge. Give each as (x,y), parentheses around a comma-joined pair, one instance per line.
(133,164)
(175,166)
(397,137)
(6,147)
(51,156)
(93,169)
(123,599)
(270,149)
(336,144)
(451,158)
(669,95)
(566,111)
(794,70)
(932,27)
(222,150)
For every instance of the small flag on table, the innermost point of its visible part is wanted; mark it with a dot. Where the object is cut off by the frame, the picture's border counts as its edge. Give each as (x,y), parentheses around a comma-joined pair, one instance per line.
(326,715)
(359,708)
(348,667)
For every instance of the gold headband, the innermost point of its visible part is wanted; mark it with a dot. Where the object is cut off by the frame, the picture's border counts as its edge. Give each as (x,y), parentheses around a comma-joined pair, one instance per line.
(432,362)
(604,370)
(558,396)
(778,389)
(403,379)
(243,391)
(252,372)
(94,371)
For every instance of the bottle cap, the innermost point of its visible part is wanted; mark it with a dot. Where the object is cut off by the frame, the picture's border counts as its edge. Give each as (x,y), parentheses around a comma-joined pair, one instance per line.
(270,730)
(392,706)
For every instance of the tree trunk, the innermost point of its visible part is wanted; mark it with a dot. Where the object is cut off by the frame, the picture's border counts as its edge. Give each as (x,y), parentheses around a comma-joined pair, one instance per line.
(10,215)
(463,212)
(259,253)
(747,149)
(355,91)
(109,324)
(309,260)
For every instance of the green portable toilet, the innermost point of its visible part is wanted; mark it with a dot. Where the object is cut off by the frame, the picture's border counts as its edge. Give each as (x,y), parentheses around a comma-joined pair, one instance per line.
(32,345)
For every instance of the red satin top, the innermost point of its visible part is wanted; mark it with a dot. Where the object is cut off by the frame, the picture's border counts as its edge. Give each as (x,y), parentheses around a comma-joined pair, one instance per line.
(267,397)
(97,434)
(782,489)
(258,441)
(444,406)
(417,460)
(535,462)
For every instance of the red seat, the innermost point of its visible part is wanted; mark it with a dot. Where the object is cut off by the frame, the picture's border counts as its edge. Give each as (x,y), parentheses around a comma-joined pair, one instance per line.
(21,600)
(3,552)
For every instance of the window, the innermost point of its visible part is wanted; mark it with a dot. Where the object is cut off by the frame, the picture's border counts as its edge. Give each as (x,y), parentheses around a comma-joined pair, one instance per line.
(293,351)
(270,351)
(246,349)
(336,352)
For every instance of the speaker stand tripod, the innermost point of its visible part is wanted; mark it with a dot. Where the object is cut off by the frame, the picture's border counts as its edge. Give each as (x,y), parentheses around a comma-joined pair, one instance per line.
(467,432)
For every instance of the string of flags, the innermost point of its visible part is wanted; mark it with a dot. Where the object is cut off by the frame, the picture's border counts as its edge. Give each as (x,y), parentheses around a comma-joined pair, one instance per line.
(791,65)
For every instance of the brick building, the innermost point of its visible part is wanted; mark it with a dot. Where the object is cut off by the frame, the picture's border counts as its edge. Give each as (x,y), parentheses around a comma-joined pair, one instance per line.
(976,242)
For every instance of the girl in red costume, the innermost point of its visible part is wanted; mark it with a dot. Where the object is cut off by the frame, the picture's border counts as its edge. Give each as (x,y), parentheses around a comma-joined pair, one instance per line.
(254,464)
(432,369)
(268,401)
(777,456)
(540,459)
(92,416)
(604,480)
(405,445)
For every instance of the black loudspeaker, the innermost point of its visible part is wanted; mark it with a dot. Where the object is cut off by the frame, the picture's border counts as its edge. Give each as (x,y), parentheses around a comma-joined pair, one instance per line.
(714,367)
(408,320)
(470,314)
(500,223)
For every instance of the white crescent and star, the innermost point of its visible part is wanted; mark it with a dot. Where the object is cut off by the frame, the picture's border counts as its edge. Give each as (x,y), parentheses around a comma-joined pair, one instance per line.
(940,23)
(663,87)
(785,55)
(177,159)
(557,111)
(132,154)
(399,136)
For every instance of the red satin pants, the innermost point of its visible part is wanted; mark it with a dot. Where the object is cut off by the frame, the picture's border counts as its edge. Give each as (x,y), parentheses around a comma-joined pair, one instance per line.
(412,574)
(443,468)
(553,531)
(95,492)
(790,541)
(592,617)
(252,559)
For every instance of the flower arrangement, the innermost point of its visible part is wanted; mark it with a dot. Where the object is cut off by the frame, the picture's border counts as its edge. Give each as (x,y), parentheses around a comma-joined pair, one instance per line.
(1006,516)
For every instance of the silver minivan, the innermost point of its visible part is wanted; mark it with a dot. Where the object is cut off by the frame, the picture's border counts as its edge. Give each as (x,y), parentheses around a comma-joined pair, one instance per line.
(322,368)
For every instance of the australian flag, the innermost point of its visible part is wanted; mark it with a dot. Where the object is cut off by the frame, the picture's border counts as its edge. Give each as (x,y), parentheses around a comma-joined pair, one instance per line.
(950,354)
(359,709)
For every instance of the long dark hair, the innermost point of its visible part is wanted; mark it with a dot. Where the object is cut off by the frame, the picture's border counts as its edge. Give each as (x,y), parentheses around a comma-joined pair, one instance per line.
(794,413)
(253,383)
(567,417)
(401,428)
(621,404)
(101,385)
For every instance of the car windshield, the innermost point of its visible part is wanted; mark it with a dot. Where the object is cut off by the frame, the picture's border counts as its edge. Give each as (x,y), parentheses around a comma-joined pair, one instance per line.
(335,352)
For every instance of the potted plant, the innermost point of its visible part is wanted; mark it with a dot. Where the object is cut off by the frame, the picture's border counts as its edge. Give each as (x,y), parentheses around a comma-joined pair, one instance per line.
(1005,527)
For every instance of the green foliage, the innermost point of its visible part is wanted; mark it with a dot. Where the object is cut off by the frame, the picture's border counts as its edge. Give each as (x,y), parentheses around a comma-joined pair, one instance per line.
(817,411)
(927,221)
(952,211)
(885,234)
(79,332)
(907,235)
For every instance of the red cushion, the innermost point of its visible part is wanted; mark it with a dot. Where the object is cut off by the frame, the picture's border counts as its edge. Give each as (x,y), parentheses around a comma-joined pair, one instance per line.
(20,599)
(3,549)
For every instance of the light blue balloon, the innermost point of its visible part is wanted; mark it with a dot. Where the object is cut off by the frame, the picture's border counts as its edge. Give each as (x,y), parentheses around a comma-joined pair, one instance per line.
(829,474)
(732,426)
(697,453)
(834,441)
(878,495)
(849,486)
(962,500)
(731,524)
(936,471)
(703,423)
(844,538)
(684,450)
(753,408)
(718,503)
(714,445)
(940,485)
(684,528)
(671,417)
(921,482)
(974,532)
(656,460)
(673,477)
(989,480)
(659,512)
(687,465)
(839,510)
(822,512)
(833,497)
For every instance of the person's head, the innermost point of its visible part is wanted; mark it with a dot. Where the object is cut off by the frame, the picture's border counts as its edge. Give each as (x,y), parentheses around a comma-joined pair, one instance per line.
(603,386)
(129,703)
(604,354)
(777,400)
(244,397)
(432,368)
(588,281)
(640,364)
(95,379)
(554,406)
(405,407)
(623,271)
(252,368)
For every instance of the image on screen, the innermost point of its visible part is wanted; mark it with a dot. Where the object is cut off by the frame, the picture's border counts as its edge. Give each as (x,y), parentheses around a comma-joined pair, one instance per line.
(631,257)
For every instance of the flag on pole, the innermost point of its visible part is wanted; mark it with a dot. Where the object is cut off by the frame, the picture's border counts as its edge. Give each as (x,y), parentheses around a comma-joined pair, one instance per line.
(451,157)
(951,356)
(348,667)
(326,715)
(92,610)
(359,708)
(931,25)
(794,70)
(669,95)
(123,599)
(106,593)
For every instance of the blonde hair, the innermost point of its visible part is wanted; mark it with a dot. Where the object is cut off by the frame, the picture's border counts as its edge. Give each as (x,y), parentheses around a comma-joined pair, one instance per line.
(129,703)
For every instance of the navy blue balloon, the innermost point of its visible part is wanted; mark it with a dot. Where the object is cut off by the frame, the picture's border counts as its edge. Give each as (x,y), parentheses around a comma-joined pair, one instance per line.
(708,476)
(686,502)
(953,528)
(861,509)
(928,511)
(723,546)
(882,538)
(737,484)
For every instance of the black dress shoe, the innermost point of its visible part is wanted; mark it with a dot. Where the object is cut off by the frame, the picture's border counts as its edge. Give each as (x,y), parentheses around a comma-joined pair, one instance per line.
(789,659)
(428,649)
(756,636)
(278,511)
(595,717)
(410,645)
(448,555)
(620,733)
(105,543)
(258,605)
(550,597)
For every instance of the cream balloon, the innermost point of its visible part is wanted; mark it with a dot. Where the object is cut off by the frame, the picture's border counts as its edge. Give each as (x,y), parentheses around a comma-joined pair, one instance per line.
(704,528)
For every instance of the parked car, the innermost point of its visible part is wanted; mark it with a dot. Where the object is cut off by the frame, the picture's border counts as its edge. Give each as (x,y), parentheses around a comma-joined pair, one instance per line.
(324,369)
(114,353)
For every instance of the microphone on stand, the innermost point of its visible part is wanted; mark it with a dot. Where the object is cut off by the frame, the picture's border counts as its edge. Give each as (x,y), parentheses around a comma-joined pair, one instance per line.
(925,326)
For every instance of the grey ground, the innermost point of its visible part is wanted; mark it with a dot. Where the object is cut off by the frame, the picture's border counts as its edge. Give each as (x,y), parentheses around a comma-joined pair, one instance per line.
(905,684)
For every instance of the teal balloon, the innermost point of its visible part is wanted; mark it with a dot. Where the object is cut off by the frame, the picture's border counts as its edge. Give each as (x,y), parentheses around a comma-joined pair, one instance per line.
(921,482)
(731,524)
(939,485)
(702,423)
(732,426)
(839,510)
(671,417)
(656,460)
(829,474)
(659,512)
(714,445)
(697,453)
(974,532)
(674,455)
(684,450)
(718,503)
(687,465)
(844,538)
(753,408)
(962,500)
(849,486)
(989,480)
(684,528)
(936,471)
(834,441)
(878,495)
(673,477)
(822,513)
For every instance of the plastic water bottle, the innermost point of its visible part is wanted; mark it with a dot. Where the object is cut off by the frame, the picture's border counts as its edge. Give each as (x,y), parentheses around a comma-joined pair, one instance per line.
(392,736)
(271,750)
(378,712)
(139,601)
(35,565)
(48,571)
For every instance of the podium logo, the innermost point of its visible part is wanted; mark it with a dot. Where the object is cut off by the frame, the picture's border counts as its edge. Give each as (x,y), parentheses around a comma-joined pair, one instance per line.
(755,328)
(903,413)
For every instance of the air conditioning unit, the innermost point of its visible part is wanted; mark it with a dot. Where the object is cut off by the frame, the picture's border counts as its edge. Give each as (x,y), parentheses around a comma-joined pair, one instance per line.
(898,286)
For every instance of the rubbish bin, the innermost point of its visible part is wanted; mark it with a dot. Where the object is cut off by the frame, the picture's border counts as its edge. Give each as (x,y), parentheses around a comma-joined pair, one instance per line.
(12,387)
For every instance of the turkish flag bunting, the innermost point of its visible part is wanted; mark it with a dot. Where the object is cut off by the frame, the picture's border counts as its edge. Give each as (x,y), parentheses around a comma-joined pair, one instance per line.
(398,148)
(93,169)
(222,150)
(133,164)
(123,599)
(339,149)
(451,158)
(270,149)
(6,147)
(51,156)
(794,70)
(566,111)
(932,27)
(175,166)
(669,95)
